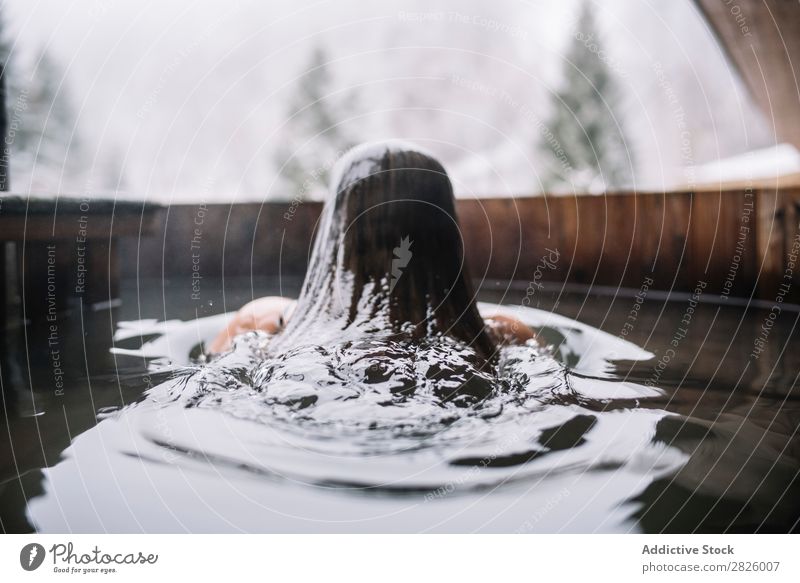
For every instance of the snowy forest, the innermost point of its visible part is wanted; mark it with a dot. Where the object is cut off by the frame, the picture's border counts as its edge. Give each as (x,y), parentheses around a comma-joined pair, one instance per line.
(254,101)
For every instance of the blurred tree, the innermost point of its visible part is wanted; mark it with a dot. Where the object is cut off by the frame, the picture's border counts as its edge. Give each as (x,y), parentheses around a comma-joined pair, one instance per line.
(45,142)
(4,152)
(313,137)
(42,148)
(584,139)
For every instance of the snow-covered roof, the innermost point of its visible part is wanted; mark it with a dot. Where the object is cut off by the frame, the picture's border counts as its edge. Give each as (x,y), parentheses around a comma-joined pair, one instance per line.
(779,161)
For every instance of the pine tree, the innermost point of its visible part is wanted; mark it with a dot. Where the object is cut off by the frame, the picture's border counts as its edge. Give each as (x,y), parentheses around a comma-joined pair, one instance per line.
(313,140)
(4,149)
(47,139)
(584,139)
(44,148)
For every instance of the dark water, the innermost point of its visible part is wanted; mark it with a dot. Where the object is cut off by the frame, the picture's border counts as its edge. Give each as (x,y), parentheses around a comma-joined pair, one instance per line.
(624,419)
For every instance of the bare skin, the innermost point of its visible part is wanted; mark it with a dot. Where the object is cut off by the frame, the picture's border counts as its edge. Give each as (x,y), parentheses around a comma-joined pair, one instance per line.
(270,314)
(508,330)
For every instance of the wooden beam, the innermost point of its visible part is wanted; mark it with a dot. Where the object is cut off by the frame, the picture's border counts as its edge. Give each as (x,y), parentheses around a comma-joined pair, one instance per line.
(762,40)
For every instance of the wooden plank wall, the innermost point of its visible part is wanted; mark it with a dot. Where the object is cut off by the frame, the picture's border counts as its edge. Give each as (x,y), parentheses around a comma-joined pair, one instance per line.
(737,242)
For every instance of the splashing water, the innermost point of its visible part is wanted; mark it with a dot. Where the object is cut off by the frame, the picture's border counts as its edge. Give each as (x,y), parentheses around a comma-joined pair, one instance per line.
(386,435)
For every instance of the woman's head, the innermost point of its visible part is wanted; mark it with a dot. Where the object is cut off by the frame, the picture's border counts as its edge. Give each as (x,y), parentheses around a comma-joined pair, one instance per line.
(389,254)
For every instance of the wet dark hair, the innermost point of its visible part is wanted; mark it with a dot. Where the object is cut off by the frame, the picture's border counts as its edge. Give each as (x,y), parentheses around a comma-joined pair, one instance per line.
(388,254)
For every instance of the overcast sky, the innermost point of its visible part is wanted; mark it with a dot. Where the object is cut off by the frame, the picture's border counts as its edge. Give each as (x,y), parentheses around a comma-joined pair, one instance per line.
(184,95)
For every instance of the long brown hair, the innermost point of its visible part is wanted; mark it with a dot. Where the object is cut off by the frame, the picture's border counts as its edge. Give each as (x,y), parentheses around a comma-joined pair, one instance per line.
(388,255)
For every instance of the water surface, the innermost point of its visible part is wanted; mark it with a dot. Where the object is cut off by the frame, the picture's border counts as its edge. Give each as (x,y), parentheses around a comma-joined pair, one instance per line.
(584,432)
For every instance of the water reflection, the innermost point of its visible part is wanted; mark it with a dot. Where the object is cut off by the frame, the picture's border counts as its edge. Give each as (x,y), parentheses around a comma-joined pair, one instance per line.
(571,439)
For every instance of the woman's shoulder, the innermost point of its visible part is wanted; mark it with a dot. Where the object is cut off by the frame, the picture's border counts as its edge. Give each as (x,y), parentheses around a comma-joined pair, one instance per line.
(509,330)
